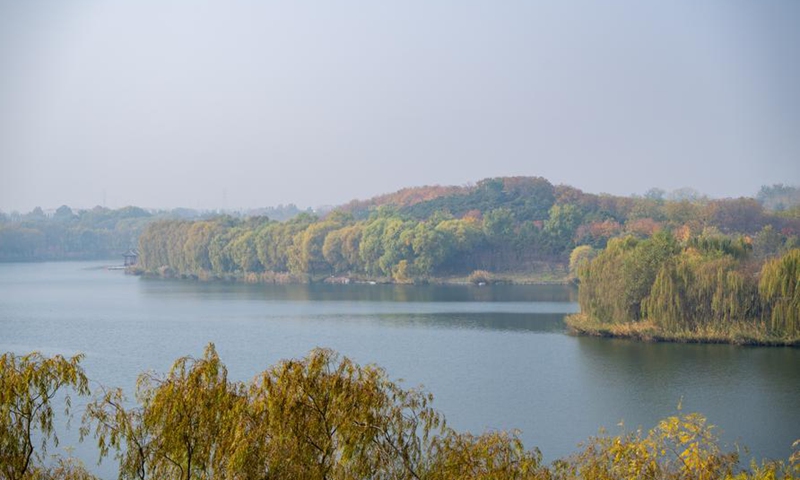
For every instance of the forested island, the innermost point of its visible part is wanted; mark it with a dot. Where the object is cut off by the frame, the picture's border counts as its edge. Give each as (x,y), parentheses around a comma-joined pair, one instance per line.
(319,417)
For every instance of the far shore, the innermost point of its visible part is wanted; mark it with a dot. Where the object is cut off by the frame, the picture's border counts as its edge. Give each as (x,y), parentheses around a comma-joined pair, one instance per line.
(557,277)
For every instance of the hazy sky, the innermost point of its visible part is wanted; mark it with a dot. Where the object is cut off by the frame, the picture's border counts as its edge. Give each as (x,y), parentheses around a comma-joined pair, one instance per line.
(253,103)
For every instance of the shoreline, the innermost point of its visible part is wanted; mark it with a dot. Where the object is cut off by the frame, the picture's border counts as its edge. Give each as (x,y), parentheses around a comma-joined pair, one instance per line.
(295,279)
(648,332)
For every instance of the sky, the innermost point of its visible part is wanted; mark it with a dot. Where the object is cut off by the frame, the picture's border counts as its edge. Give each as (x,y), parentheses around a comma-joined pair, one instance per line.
(251,103)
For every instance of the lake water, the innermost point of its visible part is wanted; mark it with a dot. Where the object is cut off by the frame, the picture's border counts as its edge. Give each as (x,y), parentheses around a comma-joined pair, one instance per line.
(494,357)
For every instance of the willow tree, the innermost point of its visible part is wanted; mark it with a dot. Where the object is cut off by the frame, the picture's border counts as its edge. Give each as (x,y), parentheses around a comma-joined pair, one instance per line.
(325,417)
(182,428)
(28,385)
(605,283)
(780,293)
(693,290)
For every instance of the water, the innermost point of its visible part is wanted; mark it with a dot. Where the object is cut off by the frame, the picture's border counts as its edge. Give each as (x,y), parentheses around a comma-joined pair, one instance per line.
(494,357)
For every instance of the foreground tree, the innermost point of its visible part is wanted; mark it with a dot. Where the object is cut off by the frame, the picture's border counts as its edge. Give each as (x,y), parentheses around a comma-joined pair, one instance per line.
(680,447)
(183,426)
(326,417)
(494,455)
(28,385)
(320,417)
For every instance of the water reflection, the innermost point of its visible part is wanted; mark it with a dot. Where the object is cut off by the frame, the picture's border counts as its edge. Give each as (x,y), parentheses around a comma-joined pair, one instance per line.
(362,292)
(511,322)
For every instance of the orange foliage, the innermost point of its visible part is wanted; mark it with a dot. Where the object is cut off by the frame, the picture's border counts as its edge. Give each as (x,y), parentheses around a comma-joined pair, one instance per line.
(643,226)
(407,197)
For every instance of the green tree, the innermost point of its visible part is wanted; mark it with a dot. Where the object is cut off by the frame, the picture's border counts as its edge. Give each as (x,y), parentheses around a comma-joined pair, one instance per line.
(498,225)
(370,248)
(562,224)
(396,244)
(431,247)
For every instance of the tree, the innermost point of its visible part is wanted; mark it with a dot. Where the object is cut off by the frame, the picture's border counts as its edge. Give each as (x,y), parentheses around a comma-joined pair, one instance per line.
(183,428)
(655,194)
(307,255)
(64,214)
(498,225)
(396,243)
(780,290)
(431,245)
(681,447)
(768,242)
(579,258)
(778,196)
(28,385)
(494,455)
(196,247)
(325,416)
(243,251)
(562,224)
(370,248)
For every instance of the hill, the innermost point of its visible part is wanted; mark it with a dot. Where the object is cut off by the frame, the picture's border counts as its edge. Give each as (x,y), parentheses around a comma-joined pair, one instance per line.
(512,226)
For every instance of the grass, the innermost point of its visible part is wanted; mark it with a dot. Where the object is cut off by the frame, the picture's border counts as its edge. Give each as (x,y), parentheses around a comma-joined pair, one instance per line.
(739,333)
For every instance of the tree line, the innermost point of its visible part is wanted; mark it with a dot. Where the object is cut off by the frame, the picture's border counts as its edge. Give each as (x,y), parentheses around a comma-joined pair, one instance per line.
(96,233)
(66,234)
(497,225)
(319,417)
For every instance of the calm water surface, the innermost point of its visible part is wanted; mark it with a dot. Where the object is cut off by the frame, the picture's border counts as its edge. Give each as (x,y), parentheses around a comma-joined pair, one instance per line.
(494,357)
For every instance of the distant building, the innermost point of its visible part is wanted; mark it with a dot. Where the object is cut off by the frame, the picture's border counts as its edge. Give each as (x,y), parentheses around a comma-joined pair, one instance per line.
(130,257)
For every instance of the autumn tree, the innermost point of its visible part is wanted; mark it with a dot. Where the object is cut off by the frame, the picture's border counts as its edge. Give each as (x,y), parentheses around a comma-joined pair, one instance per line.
(183,426)
(325,416)
(28,386)
(680,447)
(492,455)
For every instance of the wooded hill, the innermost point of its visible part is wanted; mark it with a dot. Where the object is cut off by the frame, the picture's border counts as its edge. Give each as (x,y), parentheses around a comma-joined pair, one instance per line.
(501,225)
